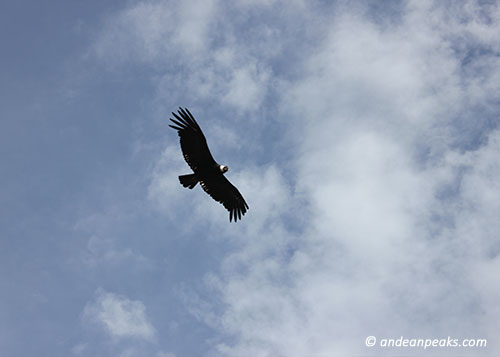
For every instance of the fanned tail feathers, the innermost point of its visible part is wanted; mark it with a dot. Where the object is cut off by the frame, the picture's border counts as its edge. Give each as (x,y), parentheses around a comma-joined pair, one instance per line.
(188,180)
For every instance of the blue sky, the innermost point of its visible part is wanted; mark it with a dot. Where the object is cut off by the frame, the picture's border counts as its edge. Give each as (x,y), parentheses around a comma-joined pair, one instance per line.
(364,136)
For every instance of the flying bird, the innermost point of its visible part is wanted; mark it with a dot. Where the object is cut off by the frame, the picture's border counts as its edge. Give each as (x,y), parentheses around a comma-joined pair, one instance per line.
(206,170)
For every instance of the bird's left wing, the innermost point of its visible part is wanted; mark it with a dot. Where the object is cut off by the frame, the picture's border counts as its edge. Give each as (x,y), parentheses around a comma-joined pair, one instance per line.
(221,190)
(193,143)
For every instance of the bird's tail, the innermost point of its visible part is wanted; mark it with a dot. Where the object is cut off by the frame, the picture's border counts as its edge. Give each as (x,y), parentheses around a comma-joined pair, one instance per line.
(188,180)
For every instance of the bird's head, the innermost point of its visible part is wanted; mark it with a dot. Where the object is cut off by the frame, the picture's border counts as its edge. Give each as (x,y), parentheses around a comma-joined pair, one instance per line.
(223,169)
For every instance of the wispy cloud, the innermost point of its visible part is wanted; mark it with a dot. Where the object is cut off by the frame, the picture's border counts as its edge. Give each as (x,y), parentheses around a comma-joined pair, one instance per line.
(192,45)
(156,30)
(119,316)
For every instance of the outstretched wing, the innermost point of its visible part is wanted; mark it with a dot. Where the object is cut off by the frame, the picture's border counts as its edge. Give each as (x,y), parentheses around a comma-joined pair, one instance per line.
(193,143)
(221,190)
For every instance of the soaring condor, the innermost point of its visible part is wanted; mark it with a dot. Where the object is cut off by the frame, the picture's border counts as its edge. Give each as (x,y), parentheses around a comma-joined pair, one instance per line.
(207,171)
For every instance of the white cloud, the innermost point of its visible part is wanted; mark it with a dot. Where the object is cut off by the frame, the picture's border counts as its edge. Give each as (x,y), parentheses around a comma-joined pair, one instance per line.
(194,38)
(155,30)
(245,87)
(477,227)
(119,316)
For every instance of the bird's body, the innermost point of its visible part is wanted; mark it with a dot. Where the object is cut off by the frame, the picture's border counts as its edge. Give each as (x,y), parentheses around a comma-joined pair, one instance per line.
(206,170)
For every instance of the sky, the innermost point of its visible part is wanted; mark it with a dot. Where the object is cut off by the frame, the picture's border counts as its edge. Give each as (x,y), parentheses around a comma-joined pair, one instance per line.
(364,136)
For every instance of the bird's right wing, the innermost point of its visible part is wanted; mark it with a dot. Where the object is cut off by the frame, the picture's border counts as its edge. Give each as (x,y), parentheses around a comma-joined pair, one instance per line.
(193,143)
(223,191)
